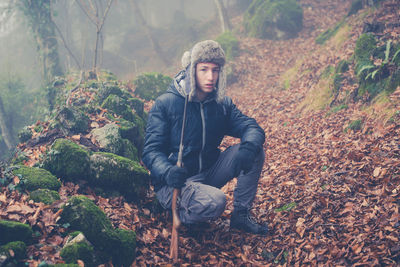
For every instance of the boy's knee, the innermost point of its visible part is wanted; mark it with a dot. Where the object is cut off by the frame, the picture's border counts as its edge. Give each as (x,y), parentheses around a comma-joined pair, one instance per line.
(203,205)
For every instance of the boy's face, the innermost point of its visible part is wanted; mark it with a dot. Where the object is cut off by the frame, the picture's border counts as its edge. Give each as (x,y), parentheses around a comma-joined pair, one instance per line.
(206,77)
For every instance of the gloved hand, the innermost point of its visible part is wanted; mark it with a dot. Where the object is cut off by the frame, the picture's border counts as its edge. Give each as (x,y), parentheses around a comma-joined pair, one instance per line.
(244,158)
(176,177)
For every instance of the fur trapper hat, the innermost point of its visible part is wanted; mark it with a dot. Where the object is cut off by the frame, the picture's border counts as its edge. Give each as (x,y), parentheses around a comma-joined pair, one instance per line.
(208,51)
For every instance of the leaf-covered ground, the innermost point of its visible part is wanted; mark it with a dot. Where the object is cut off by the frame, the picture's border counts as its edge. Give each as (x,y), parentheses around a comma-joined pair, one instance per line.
(329,196)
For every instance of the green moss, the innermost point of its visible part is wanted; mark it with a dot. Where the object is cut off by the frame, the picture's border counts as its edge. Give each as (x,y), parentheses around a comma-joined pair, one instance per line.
(75,234)
(67,160)
(128,129)
(36,178)
(329,33)
(113,172)
(355,125)
(62,265)
(137,105)
(83,215)
(109,138)
(73,120)
(365,46)
(270,19)
(14,231)
(229,43)
(342,66)
(129,150)
(18,249)
(124,245)
(151,85)
(119,106)
(336,109)
(44,195)
(78,251)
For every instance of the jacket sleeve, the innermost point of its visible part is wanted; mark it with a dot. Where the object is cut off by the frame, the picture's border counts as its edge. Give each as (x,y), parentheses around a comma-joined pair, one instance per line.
(155,151)
(243,127)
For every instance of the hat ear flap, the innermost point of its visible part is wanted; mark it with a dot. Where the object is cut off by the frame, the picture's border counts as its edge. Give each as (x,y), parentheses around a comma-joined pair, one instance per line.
(185,59)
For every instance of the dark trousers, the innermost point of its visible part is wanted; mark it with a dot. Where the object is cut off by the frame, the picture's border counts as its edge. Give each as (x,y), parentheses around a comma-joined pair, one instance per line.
(201,198)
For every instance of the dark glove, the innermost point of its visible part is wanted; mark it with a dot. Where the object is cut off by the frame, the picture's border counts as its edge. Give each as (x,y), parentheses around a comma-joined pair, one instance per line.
(244,158)
(176,177)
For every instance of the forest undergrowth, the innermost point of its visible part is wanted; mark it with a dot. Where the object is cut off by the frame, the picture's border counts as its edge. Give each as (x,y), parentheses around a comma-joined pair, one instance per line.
(329,193)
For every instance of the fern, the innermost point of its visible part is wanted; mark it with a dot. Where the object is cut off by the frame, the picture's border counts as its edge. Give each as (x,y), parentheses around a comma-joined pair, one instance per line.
(365,67)
(387,52)
(372,74)
(395,55)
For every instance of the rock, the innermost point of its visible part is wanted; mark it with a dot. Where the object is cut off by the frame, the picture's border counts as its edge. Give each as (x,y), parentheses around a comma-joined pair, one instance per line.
(83,215)
(109,138)
(67,160)
(37,178)
(78,251)
(137,105)
(124,244)
(14,231)
(119,106)
(15,250)
(275,20)
(44,195)
(74,121)
(110,171)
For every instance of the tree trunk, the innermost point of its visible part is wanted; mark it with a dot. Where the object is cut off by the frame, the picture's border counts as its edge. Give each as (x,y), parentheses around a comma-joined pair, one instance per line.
(225,25)
(38,14)
(5,131)
(156,47)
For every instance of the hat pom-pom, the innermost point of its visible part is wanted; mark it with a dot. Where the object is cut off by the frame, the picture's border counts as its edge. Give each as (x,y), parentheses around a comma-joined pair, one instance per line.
(185,59)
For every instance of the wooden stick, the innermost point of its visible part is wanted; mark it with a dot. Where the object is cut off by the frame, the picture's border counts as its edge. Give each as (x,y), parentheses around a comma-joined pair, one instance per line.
(176,222)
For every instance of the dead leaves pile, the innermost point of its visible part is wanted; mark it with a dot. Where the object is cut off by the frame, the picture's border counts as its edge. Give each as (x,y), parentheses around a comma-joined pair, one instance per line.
(330,196)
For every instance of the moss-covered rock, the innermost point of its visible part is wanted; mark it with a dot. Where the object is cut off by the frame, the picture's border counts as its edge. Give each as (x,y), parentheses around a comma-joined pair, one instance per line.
(83,215)
(110,88)
(119,106)
(78,251)
(110,171)
(129,150)
(138,139)
(44,195)
(15,250)
(272,19)
(67,160)
(109,138)
(124,244)
(137,105)
(14,231)
(73,120)
(36,178)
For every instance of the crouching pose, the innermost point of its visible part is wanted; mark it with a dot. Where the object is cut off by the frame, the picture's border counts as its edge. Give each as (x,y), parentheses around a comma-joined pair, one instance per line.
(210,116)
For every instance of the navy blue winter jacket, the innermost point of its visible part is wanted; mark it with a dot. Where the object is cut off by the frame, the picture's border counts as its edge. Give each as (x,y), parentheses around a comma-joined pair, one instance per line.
(207,124)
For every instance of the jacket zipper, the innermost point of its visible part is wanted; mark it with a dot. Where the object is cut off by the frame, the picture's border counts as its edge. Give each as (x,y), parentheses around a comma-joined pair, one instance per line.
(203,121)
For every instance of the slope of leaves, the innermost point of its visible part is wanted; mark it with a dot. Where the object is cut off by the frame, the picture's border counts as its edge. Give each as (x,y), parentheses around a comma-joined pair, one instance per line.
(330,196)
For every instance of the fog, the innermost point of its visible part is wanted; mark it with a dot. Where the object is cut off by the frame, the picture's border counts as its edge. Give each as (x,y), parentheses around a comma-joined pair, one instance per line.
(131,37)
(125,47)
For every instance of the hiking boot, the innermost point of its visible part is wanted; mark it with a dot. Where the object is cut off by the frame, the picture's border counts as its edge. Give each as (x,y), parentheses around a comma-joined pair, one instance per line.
(242,220)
